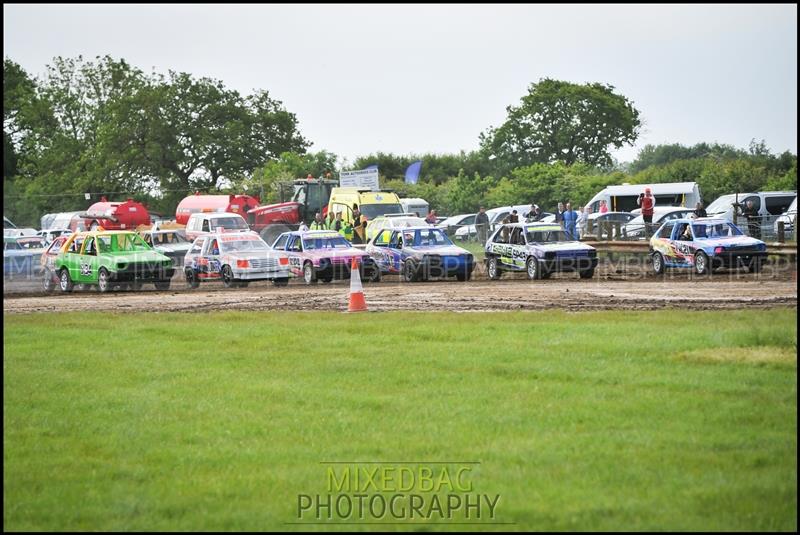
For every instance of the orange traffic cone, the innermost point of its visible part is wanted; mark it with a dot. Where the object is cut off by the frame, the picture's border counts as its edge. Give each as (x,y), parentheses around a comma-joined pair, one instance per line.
(357,301)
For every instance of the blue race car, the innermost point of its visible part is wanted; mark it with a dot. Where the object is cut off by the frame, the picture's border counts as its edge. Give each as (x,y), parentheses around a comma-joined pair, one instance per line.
(539,249)
(705,244)
(420,253)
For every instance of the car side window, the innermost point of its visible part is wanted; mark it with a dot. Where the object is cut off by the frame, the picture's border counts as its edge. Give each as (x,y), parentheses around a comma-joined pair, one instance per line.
(197,246)
(756,202)
(501,236)
(666,230)
(206,226)
(280,244)
(295,244)
(395,241)
(382,239)
(88,247)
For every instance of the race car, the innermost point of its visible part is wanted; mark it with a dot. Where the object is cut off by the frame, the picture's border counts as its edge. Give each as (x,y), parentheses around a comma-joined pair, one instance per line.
(171,242)
(704,244)
(324,255)
(50,277)
(420,253)
(109,259)
(21,255)
(235,258)
(539,249)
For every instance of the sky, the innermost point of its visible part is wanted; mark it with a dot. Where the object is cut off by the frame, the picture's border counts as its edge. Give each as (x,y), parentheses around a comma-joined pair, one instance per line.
(430,78)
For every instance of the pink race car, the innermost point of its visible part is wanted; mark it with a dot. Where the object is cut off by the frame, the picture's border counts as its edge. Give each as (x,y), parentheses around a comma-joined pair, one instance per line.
(324,255)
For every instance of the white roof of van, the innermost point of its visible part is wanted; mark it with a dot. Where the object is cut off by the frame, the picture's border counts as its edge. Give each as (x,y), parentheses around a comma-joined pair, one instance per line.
(656,189)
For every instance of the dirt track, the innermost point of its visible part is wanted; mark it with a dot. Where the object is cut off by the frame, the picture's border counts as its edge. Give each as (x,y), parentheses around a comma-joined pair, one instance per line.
(611,288)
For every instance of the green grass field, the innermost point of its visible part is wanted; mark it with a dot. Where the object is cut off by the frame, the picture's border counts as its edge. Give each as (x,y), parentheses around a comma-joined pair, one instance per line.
(217,421)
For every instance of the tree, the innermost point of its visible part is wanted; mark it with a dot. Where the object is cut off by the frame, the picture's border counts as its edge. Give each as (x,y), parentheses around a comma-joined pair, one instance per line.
(563,122)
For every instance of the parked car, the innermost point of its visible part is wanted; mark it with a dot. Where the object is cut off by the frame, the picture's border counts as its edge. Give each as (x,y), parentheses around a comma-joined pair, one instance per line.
(170,242)
(392,221)
(538,249)
(200,223)
(634,229)
(451,224)
(420,253)
(788,218)
(235,258)
(704,244)
(19,232)
(111,259)
(22,255)
(496,216)
(50,234)
(324,255)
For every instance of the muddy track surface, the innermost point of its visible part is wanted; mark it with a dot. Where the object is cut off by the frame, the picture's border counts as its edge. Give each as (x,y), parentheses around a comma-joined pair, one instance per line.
(611,289)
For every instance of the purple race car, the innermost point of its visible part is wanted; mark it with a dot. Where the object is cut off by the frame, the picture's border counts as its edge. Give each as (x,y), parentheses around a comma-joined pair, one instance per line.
(324,255)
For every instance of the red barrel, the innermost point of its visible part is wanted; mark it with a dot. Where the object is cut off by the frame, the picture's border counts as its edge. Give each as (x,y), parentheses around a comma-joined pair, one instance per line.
(125,215)
(238,204)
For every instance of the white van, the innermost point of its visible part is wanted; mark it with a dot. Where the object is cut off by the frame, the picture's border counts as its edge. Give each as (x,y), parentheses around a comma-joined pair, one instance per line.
(623,198)
(200,223)
(770,205)
(416,206)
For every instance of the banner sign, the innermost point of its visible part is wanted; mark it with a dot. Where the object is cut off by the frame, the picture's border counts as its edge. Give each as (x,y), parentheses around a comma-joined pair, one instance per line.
(365,178)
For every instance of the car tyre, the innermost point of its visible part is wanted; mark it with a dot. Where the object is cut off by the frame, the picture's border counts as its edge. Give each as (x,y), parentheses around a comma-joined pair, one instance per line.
(191,278)
(227,277)
(49,281)
(309,273)
(65,282)
(463,276)
(283,281)
(586,273)
(163,285)
(533,268)
(658,263)
(410,271)
(701,263)
(375,274)
(103,281)
(493,269)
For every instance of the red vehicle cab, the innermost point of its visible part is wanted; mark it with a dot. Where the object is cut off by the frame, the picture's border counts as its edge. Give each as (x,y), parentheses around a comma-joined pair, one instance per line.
(237,204)
(126,215)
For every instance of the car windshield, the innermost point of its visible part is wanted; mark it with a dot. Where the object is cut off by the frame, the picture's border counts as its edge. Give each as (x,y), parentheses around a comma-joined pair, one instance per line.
(238,246)
(234,223)
(704,231)
(166,238)
(546,236)
(722,204)
(126,242)
(426,238)
(327,242)
(371,211)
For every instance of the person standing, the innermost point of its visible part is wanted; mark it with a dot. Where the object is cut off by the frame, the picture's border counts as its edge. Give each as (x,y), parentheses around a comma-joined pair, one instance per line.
(431,219)
(647,204)
(337,223)
(751,213)
(583,214)
(359,225)
(699,210)
(482,225)
(570,218)
(514,218)
(560,214)
(318,223)
(331,222)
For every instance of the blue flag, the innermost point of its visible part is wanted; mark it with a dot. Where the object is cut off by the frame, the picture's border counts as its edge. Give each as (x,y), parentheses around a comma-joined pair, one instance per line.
(412,173)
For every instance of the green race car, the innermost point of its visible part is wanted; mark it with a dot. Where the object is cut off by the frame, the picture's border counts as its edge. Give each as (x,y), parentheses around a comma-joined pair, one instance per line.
(109,259)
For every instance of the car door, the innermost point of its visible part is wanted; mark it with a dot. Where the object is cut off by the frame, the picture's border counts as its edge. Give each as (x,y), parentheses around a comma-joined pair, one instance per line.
(684,248)
(192,259)
(87,261)
(395,251)
(518,248)
(378,249)
(294,250)
(72,258)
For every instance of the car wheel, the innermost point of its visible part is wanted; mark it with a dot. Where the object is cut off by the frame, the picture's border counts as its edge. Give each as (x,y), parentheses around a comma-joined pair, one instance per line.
(409,271)
(49,281)
(493,269)
(65,282)
(533,268)
(463,276)
(227,277)
(191,278)
(163,285)
(103,282)
(586,273)
(701,263)
(284,281)
(658,263)
(375,274)
(244,284)
(309,274)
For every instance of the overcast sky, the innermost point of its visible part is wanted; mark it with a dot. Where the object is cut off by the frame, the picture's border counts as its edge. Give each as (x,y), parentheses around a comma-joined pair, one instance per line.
(420,78)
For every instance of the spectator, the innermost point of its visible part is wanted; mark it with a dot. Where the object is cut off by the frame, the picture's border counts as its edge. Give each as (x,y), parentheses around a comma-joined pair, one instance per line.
(535,214)
(431,219)
(303,227)
(750,212)
(514,218)
(699,210)
(560,214)
(582,216)
(647,203)
(318,223)
(482,225)
(603,207)
(337,223)
(359,225)
(505,231)
(570,219)
(331,222)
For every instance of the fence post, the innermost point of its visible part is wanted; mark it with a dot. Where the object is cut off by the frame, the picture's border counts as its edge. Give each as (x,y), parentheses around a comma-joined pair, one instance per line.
(617,230)
(781,232)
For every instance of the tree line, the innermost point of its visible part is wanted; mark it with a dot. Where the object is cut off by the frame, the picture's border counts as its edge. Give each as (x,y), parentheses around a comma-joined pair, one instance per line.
(106,127)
